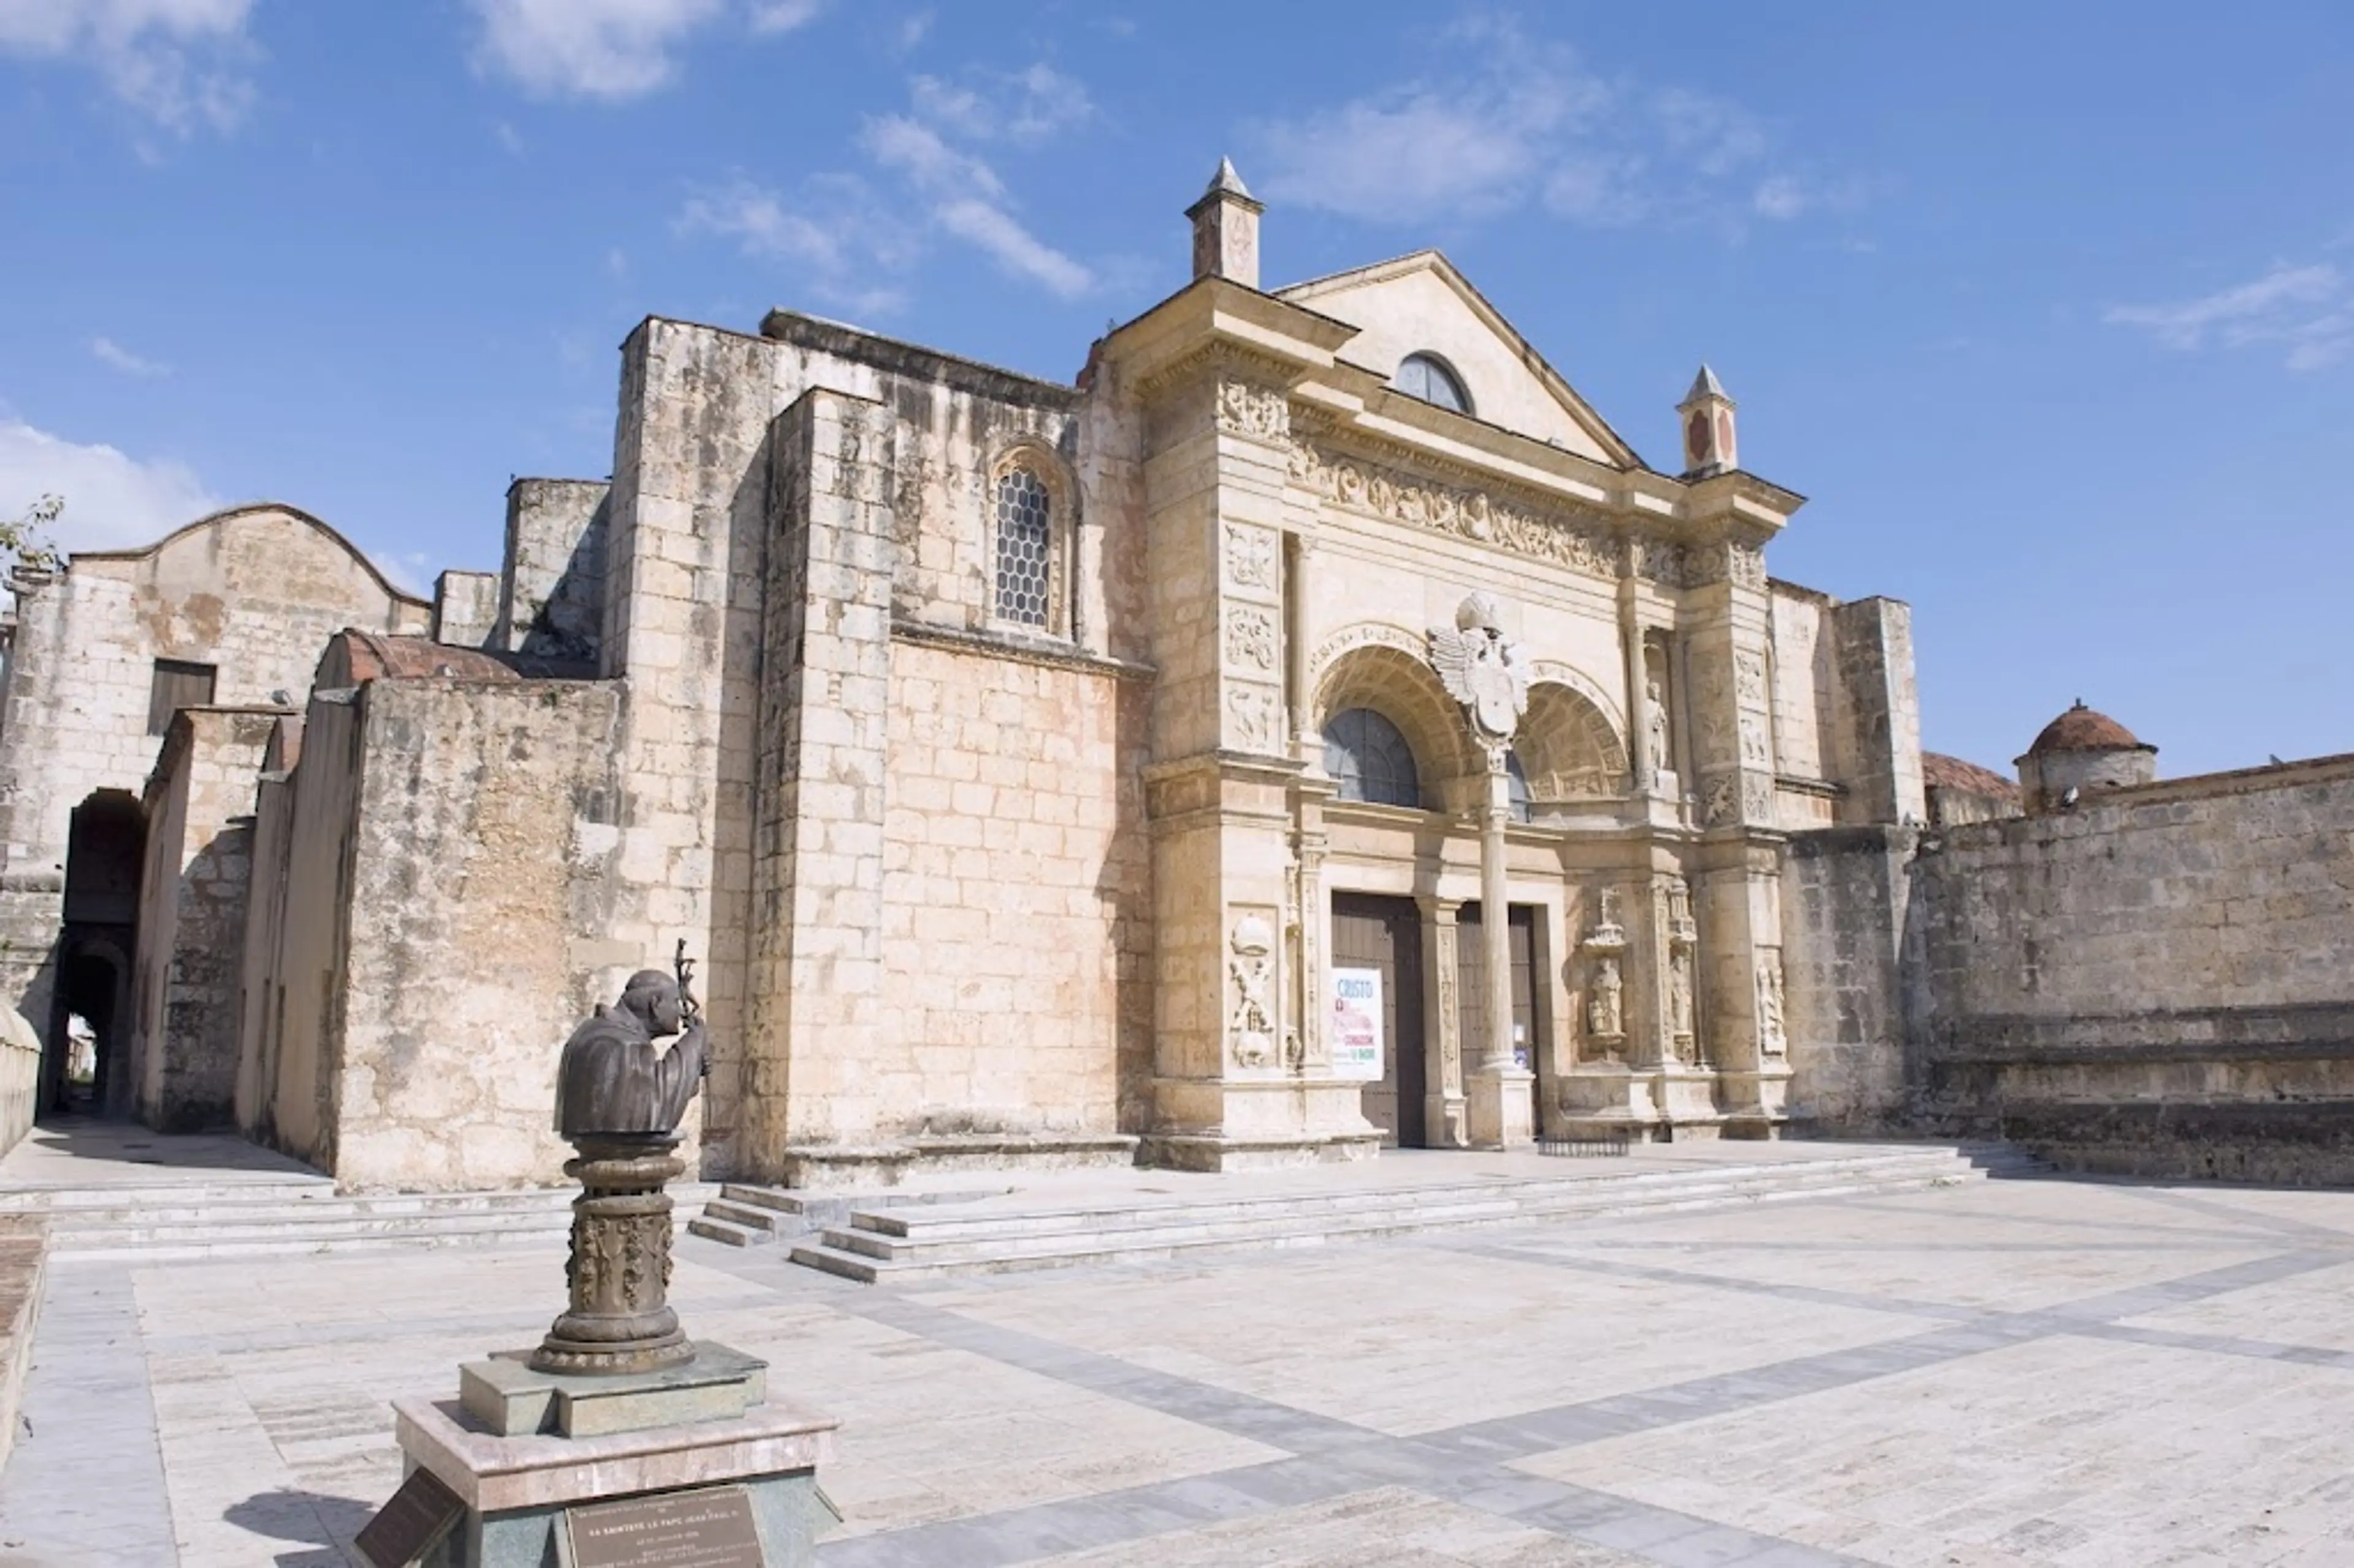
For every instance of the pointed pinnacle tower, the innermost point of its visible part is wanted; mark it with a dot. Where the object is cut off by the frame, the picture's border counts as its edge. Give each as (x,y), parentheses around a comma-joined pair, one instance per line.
(1225,229)
(1709,447)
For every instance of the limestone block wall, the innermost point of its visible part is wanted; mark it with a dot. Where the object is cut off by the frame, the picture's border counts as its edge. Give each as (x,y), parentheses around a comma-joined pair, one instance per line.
(465,608)
(469,911)
(2152,982)
(192,917)
(551,591)
(1846,908)
(1016,900)
(705,482)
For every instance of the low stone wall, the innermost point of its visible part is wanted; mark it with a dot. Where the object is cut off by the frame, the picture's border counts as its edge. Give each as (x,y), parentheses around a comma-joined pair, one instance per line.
(23,1271)
(2153,983)
(20,1077)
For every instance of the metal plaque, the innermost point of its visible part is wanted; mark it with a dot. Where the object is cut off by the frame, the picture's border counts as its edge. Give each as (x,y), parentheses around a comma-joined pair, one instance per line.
(713,1528)
(406,1527)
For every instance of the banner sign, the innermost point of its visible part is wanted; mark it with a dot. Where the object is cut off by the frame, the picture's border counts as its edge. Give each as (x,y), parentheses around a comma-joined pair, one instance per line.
(1356,1035)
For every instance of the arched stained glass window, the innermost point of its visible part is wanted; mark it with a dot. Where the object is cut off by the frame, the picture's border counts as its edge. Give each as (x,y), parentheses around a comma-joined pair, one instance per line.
(1025,548)
(1432,379)
(1370,759)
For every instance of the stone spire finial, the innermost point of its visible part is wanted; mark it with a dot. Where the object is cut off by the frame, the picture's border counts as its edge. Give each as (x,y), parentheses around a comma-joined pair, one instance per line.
(1225,229)
(1709,447)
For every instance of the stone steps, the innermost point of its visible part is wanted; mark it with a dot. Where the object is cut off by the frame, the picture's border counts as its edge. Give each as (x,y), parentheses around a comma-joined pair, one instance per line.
(746,1216)
(877,1246)
(300,1214)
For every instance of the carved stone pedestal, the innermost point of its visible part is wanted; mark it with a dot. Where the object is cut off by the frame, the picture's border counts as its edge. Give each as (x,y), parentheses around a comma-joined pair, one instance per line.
(621,1321)
(1498,1106)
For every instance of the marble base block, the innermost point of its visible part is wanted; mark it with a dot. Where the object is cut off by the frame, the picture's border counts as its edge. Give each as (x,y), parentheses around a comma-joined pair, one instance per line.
(517,1488)
(512,1399)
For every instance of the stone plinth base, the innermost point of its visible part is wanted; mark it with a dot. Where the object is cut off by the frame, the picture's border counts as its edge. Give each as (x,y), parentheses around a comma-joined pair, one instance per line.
(512,1399)
(823,1166)
(1656,1104)
(1218,1152)
(516,1490)
(1499,1108)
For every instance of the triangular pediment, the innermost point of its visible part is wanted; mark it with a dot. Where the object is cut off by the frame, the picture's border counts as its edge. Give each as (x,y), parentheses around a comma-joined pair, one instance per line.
(1421,304)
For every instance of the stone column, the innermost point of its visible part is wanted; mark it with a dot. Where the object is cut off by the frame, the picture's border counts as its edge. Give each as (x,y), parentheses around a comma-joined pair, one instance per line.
(1299,562)
(1444,1124)
(1498,1090)
(1638,696)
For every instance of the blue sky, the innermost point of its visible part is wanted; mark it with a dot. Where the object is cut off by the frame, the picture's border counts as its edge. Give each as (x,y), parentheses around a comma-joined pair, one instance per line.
(2050,315)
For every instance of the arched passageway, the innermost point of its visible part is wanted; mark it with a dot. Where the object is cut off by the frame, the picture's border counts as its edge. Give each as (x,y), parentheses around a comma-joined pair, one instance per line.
(105,856)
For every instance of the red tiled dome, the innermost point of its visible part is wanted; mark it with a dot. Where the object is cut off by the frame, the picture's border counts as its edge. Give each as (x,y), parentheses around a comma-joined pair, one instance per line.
(2082,729)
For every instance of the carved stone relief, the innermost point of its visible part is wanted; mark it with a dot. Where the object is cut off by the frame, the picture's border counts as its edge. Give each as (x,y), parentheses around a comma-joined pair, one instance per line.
(1250,638)
(1755,751)
(1756,798)
(1250,555)
(1254,410)
(1773,1038)
(1680,1001)
(1251,1032)
(1660,562)
(1254,711)
(1748,565)
(1721,802)
(1749,679)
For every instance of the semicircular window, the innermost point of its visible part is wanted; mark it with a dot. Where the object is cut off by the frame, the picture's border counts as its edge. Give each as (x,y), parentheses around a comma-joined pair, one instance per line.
(1516,784)
(1432,379)
(1370,759)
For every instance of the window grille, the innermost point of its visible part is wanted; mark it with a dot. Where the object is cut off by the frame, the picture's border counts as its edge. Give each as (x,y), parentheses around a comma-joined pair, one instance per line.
(1024,559)
(1369,760)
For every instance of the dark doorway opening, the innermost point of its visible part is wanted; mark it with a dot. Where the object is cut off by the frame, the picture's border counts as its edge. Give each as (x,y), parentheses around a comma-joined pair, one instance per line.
(1386,934)
(105,858)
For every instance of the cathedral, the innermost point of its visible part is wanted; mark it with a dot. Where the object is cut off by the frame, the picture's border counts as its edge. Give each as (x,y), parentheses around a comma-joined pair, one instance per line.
(1312,730)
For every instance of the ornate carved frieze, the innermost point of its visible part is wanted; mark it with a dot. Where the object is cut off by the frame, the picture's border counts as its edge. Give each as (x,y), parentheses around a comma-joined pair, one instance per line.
(1577,540)
(1250,410)
(1706,564)
(1658,561)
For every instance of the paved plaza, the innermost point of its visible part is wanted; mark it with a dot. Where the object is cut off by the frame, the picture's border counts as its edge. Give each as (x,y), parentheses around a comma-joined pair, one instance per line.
(2034,1371)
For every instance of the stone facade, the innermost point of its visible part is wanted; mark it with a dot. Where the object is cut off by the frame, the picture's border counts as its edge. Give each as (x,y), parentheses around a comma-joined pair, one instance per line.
(231,612)
(1008,753)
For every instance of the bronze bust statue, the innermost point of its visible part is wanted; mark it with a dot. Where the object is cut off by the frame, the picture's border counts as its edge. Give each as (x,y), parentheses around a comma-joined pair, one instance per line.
(614,1079)
(618,1100)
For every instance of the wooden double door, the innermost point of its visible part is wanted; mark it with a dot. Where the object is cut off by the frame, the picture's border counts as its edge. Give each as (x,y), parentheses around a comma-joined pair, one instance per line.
(1383,933)
(1386,934)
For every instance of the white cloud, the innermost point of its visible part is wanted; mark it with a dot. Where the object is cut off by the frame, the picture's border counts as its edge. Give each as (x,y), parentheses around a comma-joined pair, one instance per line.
(2309,309)
(588,48)
(609,49)
(1024,106)
(1507,119)
(113,501)
(843,242)
(106,351)
(784,15)
(851,241)
(181,63)
(997,232)
(917,150)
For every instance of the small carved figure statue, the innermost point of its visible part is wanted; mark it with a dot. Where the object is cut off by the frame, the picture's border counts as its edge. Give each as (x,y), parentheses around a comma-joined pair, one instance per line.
(1604,1016)
(612,1079)
(1659,738)
(1254,972)
(1772,1037)
(1680,995)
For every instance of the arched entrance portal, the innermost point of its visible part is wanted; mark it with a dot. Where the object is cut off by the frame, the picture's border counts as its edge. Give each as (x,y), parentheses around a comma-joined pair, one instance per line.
(105,854)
